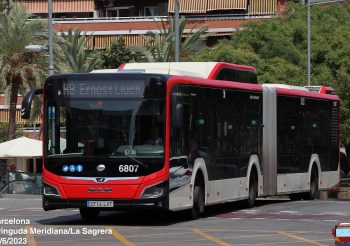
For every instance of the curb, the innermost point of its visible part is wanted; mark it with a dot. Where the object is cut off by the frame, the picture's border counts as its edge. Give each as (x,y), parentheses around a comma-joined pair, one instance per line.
(20,196)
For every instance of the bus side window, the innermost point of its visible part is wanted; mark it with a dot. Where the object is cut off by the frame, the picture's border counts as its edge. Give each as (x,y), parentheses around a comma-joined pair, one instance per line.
(236,75)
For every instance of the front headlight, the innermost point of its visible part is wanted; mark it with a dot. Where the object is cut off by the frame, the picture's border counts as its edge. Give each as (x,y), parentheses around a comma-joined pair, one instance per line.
(50,190)
(154,191)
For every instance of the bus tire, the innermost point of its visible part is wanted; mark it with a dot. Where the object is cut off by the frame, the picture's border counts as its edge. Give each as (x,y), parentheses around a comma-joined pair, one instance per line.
(89,214)
(253,190)
(312,194)
(198,202)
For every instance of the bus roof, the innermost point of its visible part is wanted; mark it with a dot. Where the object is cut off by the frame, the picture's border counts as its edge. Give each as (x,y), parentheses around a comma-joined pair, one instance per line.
(343,224)
(104,71)
(302,91)
(213,83)
(291,87)
(321,89)
(206,70)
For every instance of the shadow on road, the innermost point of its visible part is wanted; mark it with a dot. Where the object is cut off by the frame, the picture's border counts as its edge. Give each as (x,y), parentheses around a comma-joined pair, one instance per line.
(230,207)
(152,218)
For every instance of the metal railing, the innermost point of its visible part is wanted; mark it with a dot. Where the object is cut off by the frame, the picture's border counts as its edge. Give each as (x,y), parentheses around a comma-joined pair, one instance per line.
(164,18)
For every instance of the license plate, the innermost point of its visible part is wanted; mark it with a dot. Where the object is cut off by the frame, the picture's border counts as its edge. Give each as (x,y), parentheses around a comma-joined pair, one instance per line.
(100,204)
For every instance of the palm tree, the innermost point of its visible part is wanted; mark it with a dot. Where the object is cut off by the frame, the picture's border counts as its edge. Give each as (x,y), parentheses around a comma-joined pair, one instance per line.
(160,46)
(3,6)
(20,69)
(73,45)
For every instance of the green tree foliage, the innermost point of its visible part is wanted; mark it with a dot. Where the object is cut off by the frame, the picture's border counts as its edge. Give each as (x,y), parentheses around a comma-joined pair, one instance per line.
(118,53)
(226,52)
(279,48)
(3,131)
(160,46)
(79,59)
(20,69)
(3,5)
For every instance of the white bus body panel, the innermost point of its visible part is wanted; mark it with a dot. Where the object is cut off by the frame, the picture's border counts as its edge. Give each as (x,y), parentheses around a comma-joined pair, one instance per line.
(105,71)
(216,191)
(225,190)
(300,182)
(291,87)
(329,179)
(195,69)
(292,182)
(182,197)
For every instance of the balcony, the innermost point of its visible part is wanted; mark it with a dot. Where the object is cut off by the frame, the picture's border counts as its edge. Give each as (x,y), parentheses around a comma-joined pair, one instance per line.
(108,20)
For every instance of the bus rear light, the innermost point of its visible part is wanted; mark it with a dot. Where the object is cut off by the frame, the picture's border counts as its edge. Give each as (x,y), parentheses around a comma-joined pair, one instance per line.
(50,190)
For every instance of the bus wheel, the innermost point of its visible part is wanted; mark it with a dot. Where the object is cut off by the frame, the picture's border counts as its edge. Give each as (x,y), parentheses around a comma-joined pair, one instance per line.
(253,189)
(198,202)
(312,194)
(89,214)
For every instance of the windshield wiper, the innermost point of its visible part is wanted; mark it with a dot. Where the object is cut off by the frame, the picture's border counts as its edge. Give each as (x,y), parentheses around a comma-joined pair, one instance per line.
(139,162)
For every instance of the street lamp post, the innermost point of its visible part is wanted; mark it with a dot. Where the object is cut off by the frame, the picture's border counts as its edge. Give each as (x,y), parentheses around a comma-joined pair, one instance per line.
(308,44)
(51,67)
(177,38)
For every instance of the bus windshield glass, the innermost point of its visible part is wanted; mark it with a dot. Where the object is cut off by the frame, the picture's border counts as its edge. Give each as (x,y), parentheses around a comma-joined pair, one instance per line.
(104,125)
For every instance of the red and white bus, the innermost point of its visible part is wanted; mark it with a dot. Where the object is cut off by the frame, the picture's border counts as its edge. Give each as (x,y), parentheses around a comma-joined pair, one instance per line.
(341,234)
(137,139)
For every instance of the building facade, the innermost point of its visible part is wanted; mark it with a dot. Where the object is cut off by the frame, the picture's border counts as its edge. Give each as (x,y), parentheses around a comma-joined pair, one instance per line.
(107,20)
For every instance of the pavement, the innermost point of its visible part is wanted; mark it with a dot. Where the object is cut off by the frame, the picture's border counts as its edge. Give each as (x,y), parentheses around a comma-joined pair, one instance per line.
(273,221)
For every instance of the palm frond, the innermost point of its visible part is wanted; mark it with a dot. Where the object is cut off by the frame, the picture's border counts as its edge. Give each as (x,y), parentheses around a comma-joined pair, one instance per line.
(73,46)
(161,44)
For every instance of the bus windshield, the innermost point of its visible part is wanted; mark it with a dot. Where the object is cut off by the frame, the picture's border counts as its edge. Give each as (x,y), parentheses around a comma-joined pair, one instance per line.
(105,126)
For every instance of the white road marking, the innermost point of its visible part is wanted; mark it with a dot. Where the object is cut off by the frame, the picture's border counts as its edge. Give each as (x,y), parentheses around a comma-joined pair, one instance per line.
(290,212)
(249,211)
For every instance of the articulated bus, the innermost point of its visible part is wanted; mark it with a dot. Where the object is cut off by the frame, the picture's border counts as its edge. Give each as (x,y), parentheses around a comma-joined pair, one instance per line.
(137,139)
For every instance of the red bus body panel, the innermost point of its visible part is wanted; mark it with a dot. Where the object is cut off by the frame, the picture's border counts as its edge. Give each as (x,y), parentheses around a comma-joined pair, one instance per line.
(121,189)
(221,65)
(301,93)
(210,83)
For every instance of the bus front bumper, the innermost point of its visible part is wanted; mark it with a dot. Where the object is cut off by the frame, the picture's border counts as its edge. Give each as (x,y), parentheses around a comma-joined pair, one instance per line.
(159,203)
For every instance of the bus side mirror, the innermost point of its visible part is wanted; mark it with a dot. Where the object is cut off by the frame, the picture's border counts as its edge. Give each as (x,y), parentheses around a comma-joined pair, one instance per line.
(333,232)
(27,102)
(177,116)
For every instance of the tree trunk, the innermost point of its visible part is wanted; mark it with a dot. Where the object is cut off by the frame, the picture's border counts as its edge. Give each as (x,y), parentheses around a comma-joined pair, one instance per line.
(11,132)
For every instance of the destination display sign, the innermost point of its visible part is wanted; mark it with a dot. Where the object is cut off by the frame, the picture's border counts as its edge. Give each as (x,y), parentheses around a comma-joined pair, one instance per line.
(103,89)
